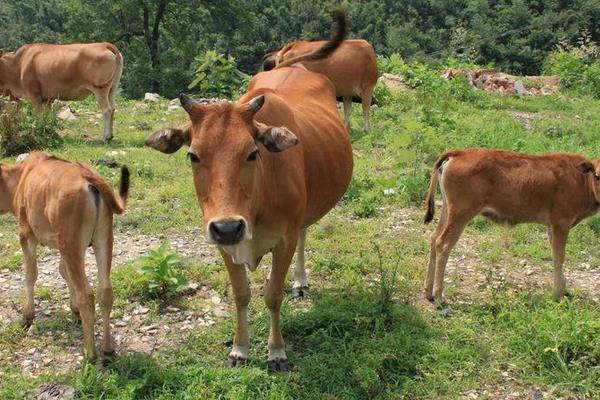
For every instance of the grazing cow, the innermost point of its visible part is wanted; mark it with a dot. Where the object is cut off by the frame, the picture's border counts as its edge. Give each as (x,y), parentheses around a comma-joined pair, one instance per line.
(352,69)
(42,73)
(265,168)
(556,190)
(68,207)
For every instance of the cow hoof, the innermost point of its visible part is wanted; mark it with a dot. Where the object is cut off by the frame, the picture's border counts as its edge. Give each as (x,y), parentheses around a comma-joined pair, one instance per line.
(279,365)
(108,357)
(236,361)
(301,292)
(27,321)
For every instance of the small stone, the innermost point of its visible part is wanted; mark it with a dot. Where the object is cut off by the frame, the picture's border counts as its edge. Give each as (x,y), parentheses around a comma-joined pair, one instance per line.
(151,97)
(221,312)
(66,114)
(143,310)
(215,299)
(148,328)
(120,324)
(21,157)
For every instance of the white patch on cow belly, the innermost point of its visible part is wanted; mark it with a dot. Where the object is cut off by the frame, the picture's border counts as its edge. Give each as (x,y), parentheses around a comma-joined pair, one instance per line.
(247,252)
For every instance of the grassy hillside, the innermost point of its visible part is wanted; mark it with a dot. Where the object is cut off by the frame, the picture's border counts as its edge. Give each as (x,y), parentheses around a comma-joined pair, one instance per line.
(366,331)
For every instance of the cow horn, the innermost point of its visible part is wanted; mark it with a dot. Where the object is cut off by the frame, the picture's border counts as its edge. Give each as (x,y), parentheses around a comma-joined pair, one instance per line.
(257,103)
(187,102)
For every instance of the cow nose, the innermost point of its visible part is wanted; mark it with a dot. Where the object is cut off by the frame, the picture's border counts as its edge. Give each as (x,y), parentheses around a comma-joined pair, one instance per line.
(227,232)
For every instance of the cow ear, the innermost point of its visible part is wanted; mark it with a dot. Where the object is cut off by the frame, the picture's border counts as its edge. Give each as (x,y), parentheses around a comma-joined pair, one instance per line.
(585,167)
(169,140)
(275,138)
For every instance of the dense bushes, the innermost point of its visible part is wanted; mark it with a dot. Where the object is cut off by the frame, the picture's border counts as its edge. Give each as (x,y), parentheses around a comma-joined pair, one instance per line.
(578,66)
(217,76)
(22,131)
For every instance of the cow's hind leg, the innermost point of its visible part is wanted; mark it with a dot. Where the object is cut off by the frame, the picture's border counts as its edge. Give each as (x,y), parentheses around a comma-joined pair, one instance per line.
(367,97)
(108,111)
(31,273)
(74,260)
(282,257)
(300,287)
(447,238)
(347,111)
(559,242)
(432,253)
(241,294)
(102,243)
(72,298)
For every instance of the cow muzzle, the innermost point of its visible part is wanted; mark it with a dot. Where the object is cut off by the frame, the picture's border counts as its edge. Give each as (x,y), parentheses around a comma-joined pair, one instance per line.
(227,232)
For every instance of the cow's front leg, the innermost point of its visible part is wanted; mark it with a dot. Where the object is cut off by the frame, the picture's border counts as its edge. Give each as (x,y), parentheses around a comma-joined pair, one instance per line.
(241,294)
(282,257)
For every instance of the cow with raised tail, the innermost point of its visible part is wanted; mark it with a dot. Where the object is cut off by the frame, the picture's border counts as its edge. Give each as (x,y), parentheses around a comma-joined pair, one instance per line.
(266,168)
(352,68)
(42,73)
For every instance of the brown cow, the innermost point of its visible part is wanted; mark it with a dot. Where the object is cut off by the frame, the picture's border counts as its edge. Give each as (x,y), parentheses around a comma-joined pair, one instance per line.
(556,190)
(68,207)
(265,168)
(43,72)
(352,69)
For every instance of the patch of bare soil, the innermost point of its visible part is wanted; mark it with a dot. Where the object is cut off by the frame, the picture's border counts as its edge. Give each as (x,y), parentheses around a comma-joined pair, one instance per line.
(54,342)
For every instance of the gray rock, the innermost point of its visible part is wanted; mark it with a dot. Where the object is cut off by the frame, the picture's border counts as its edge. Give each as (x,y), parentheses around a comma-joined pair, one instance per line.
(54,391)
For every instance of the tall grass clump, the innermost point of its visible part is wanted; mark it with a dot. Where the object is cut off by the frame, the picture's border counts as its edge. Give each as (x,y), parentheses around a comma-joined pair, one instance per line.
(21,130)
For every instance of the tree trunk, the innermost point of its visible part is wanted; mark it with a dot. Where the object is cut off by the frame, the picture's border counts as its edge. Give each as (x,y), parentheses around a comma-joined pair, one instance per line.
(152,36)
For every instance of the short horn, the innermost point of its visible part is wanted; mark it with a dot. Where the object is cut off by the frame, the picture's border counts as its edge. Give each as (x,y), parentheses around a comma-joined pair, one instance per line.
(257,103)
(187,102)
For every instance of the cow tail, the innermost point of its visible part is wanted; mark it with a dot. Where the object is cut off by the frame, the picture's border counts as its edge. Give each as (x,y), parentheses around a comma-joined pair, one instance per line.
(337,38)
(433,183)
(116,205)
(118,71)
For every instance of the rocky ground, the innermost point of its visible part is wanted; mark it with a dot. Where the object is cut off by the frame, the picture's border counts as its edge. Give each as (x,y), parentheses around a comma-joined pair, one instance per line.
(54,340)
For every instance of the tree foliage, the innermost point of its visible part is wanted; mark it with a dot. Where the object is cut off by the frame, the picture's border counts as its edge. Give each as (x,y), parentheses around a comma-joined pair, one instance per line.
(161,38)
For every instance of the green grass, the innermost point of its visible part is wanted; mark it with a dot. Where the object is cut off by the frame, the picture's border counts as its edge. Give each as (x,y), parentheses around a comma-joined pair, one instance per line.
(357,339)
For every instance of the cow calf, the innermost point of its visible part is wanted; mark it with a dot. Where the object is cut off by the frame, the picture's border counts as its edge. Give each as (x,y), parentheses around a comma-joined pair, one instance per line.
(68,207)
(556,190)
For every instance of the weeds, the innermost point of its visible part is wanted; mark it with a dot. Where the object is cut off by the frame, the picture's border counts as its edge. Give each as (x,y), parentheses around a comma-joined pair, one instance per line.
(22,131)
(160,267)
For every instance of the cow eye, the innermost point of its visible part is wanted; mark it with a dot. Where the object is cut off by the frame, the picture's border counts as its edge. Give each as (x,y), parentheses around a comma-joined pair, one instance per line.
(193,158)
(253,156)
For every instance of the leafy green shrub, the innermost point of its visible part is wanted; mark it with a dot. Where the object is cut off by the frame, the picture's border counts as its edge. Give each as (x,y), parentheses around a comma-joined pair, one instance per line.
(577,66)
(159,266)
(22,131)
(217,76)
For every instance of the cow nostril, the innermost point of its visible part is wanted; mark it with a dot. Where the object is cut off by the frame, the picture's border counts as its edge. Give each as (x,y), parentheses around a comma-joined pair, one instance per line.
(227,232)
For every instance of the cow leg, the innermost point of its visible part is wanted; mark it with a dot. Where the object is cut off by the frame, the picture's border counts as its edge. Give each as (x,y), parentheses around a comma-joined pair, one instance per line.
(444,243)
(241,294)
(300,287)
(31,273)
(108,111)
(367,97)
(282,257)
(102,243)
(75,263)
(72,299)
(347,111)
(559,242)
(432,253)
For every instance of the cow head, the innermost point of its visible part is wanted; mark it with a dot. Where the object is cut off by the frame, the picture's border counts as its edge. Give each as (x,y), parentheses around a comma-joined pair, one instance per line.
(226,147)
(592,168)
